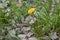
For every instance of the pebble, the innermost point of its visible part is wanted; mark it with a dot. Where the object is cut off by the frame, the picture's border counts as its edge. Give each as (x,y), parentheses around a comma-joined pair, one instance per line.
(24,39)
(0,1)
(8,9)
(32,38)
(26,29)
(58,1)
(30,20)
(22,36)
(30,1)
(45,37)
(44,0)
(12,33)
(9,28)
(7,14)
(1,6)
(19,3)
(29,34)
(22,18)
(54,36)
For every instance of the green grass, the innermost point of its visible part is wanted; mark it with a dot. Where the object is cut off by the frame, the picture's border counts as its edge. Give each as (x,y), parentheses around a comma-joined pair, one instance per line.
(44,21)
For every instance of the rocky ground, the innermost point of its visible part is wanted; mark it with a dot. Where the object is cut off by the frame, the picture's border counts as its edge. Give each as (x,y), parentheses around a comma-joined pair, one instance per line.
(23,30)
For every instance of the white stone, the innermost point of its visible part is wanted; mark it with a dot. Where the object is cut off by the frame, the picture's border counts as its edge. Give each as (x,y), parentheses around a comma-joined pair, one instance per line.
(3,0)
(53,35)
(58,1)
(32,20)
(28,19)
(26,28)
(20,0)
(19,4)
(12,33)
(32,38)
(7,1)
(45,37)
(24,39)
(22,18)
(22,36)
(8,9)
(44,0)
(29,34)
(15,17)
(7,14)
(17,29)
(9,28)
(5,4)
(1,6)
(13,21)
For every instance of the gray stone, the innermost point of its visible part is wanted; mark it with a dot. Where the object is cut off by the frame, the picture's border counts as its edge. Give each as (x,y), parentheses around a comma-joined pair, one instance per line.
(58,1)
(45,37)
(7,1)
(26,29)
(22,36)
(22,18)
(44,0)
(53,36)
(5,4)
(30,20)
(32,38)
(29,34)
(8,9)
(7,14)
(1,6)
(9,28)
(19,31)
(19,4)
(12,33)
(24,39)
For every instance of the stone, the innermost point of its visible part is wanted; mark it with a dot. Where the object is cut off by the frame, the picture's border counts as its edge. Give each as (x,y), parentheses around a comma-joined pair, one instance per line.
(7,1)
(57,1)
(7,14)
(44,0)
(22,36)
(45,37)
(5,4)
(19,31)
(12,33)
(29,34)
(26,29)
(9,28)
(0,1)
(24,39)
(8,9)
(30,1)
(32,38)
(1,6)
(53,36)
(19,3)
(30,20)
(22,18)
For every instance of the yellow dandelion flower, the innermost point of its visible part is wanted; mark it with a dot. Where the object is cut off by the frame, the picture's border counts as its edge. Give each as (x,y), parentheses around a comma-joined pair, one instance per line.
(31,10)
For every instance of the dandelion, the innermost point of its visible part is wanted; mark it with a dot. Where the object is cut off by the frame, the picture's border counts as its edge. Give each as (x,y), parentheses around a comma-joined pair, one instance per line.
(31,10)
